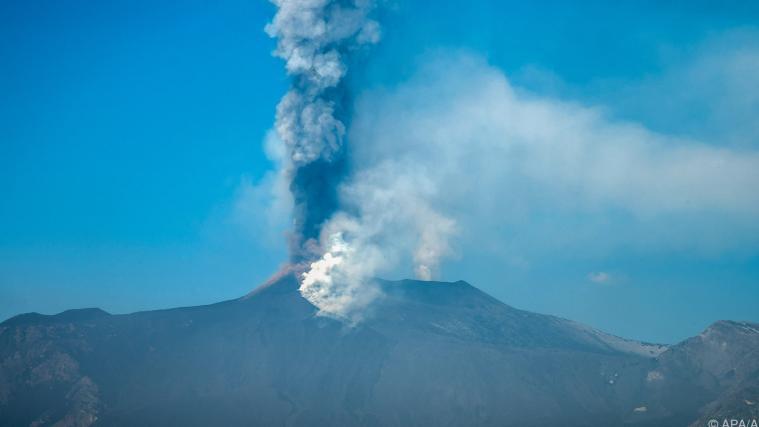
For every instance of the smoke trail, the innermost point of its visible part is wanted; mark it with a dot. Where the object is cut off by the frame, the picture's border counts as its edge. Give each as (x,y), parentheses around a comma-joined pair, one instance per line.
(314,37)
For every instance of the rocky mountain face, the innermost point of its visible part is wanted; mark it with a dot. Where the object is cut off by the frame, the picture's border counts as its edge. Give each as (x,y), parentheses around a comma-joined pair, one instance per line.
(429,353)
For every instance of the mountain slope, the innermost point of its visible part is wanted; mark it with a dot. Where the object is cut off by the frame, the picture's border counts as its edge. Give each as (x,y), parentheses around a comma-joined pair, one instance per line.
(428,353)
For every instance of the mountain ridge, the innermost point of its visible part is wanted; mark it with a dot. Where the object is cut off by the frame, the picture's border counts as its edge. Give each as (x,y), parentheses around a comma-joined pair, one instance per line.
(427,353)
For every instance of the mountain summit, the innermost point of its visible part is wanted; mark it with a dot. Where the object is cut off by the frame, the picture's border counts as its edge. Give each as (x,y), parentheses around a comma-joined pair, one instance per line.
(428,353)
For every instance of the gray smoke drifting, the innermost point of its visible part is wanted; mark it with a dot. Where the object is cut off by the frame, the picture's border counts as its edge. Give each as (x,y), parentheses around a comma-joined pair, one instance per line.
(315,37)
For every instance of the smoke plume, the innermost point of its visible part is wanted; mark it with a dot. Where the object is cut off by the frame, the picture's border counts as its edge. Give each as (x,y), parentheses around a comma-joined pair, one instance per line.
(314,37)
(338,230)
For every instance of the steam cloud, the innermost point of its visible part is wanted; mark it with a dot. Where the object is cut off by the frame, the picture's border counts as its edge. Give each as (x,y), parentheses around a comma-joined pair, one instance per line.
(391,217)
(336,243)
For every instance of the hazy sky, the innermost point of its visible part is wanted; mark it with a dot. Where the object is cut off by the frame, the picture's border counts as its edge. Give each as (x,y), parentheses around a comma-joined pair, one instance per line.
(132,152)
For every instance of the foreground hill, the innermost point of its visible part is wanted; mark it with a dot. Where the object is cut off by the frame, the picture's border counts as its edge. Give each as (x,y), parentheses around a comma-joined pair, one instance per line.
(429,353)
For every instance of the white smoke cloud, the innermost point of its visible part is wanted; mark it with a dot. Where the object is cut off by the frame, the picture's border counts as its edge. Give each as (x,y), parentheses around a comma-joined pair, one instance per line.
(435,231)
(523,175)
(391,220)
(312,37)
(394,197)
(341,282)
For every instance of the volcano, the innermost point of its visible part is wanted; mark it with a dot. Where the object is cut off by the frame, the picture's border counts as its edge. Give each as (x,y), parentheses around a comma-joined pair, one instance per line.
(427,353)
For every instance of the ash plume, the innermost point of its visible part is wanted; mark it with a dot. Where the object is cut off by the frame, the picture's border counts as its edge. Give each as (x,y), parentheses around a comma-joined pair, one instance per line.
(349,225)
(314,38)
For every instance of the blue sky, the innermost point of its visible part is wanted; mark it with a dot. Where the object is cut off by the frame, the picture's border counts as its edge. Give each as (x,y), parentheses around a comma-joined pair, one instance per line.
(131,131)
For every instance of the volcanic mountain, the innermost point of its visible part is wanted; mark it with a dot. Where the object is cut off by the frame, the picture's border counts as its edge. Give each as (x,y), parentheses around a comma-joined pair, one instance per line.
(428,353)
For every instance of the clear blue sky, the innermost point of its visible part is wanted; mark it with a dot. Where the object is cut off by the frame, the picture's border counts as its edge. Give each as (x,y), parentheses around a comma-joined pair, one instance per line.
(127,129)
